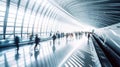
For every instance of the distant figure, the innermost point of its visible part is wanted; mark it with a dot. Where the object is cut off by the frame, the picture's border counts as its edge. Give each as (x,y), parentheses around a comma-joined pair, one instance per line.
(88,36)
(67,37)
(30,39)
(54,38)
(37,40)
(85,33)
(76,35)
(58,35)
(17,42)
(50,34)
(67,34)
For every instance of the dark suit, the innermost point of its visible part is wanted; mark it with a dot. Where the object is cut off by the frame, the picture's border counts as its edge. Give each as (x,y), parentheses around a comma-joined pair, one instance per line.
(17,42)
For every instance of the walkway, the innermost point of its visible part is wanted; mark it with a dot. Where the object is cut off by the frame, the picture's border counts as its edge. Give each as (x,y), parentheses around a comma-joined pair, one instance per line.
(70,53)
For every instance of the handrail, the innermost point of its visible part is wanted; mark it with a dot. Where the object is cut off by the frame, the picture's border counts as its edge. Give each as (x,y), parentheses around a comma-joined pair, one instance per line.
(102,58)
(114,46)
(111,55)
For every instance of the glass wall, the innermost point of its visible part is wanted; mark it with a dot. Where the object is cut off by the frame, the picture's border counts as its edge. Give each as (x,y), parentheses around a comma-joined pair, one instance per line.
(25,17)
(2,14)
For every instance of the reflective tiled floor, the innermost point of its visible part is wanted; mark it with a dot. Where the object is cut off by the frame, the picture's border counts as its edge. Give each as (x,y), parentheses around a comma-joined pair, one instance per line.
(70,53)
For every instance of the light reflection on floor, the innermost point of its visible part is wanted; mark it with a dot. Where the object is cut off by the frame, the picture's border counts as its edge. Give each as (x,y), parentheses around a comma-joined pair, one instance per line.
(48,55)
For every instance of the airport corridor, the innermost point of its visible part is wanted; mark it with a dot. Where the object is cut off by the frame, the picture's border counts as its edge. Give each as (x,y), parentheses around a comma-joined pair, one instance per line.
(65,53)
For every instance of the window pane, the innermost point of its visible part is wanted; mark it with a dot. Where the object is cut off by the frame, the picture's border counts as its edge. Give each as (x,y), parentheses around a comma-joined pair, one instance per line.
(18,30)
(26,19)
(25,36)
(11,16)
(36,7)
(11,20)
(32,20)
(18,23)
(1,30)
(1,18)
(24,30)
(13,9)
(2,13)
(14,1)
(25,24)
(9,30)
(23,2)
(31,4)
(1,23)
(2,6)
(10,24)
(21,12)
(29,30)
(35,30)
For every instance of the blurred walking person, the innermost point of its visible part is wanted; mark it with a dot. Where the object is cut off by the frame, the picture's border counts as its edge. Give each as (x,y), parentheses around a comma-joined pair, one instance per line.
(17,42)
(54,38)
(88,37)
(37,40)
